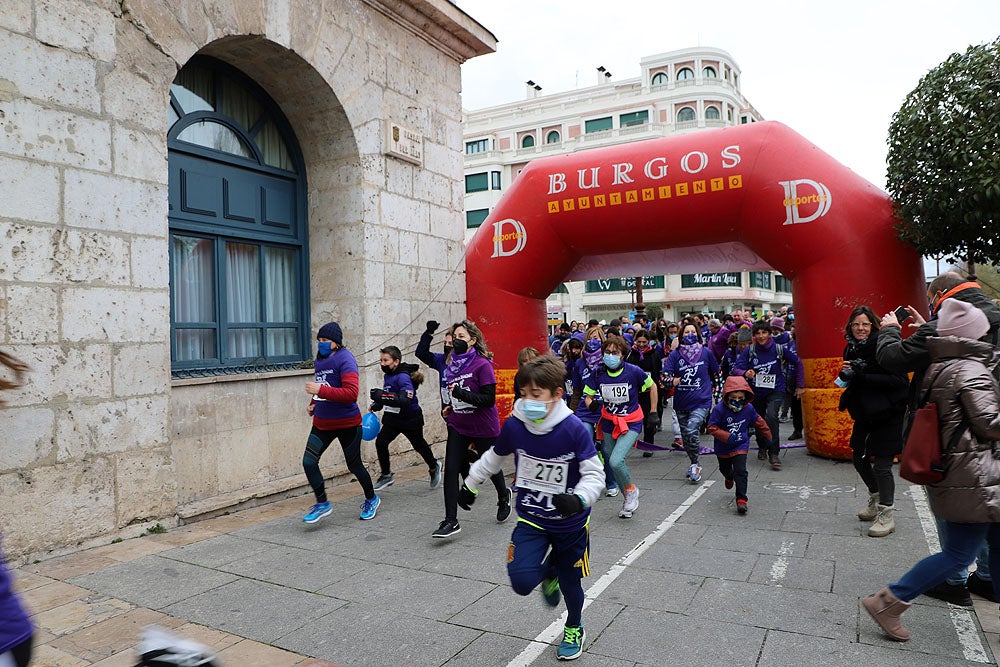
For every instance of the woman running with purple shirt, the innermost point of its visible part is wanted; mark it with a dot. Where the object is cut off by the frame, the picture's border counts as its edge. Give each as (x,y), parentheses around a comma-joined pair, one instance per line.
(472,419)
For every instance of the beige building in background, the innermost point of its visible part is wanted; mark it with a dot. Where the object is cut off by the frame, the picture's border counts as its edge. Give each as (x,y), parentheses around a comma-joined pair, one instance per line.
(680,91)
(190,189)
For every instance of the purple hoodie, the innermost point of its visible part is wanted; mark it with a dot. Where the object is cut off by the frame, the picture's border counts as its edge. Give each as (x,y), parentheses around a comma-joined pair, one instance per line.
(718,343)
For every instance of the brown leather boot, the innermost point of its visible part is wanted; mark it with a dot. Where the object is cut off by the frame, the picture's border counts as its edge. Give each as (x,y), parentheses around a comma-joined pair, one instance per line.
(885,609)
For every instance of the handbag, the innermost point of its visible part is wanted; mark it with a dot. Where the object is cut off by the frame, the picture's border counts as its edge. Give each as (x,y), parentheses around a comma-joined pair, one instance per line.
(921,461)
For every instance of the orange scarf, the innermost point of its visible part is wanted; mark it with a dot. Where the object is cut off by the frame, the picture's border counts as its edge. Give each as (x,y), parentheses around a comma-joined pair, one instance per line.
(953,291)
(621,422)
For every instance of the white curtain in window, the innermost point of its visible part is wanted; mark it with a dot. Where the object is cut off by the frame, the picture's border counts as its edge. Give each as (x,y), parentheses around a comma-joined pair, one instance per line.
(243,299)
(193,279)
(280,303)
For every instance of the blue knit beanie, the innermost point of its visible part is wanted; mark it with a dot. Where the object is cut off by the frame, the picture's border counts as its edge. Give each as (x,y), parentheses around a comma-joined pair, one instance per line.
(331,331)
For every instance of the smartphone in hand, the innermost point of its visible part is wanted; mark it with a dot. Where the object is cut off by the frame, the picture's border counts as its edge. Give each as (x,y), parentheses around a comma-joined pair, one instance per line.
(902,314)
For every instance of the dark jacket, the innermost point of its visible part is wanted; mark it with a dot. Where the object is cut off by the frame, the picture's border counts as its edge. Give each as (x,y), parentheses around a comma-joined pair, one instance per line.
(874,394)
(897,355)
(965,392)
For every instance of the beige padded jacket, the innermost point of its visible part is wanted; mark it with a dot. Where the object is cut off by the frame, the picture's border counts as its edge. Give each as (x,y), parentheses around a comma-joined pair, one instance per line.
(966,390)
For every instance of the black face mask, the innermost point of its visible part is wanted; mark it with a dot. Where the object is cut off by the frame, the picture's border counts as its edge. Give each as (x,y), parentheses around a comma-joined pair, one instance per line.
(447,350)
(460,346)
(387,369)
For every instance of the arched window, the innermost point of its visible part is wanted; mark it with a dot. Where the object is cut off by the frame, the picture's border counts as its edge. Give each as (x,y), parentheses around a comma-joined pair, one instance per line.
(685,115)
(528,141)
(685,73)
(239,288)
(712,113)
(552,137)
(708,73)
(659,79)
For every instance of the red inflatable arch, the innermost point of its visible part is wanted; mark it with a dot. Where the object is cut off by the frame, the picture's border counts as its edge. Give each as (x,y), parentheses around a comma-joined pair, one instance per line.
(755,196)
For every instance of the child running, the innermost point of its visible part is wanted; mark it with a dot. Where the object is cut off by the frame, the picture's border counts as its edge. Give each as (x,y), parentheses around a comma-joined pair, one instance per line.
(619,385)
(559,477)
(398,396)
(335,413)
(730,424)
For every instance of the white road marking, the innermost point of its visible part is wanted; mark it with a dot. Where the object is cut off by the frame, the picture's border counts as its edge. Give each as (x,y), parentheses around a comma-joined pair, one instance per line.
(549,634)
(780,566)
(961,617)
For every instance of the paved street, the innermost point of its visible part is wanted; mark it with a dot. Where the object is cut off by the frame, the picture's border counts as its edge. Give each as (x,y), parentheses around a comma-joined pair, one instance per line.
(685,582)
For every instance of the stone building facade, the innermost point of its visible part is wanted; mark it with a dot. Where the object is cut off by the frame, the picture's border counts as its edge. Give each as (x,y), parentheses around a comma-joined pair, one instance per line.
(116,430)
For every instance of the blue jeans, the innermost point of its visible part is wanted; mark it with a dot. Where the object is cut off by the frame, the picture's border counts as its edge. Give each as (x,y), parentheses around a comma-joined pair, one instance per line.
(615,452)
(982,559)
(961,542)
(691,421)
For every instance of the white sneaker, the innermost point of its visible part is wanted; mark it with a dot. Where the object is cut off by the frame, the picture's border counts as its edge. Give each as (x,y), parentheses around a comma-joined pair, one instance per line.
(631,502)
(612,491)
(694,473)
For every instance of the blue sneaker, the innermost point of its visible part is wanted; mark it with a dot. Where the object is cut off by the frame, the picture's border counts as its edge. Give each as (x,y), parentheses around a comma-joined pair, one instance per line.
(369,507)
(572,644)
(318,511)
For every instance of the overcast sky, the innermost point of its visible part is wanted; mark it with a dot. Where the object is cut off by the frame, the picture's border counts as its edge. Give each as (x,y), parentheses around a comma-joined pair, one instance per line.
(834,71)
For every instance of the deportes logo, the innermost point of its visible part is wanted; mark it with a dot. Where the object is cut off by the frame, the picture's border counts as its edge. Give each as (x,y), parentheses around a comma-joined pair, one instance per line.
(509,237)
(806,195)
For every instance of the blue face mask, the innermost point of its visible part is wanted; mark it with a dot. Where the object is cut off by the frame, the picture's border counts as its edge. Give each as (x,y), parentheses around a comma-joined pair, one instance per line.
(689,339)
(534,410)
(324,347)
(735,405)
(612,361)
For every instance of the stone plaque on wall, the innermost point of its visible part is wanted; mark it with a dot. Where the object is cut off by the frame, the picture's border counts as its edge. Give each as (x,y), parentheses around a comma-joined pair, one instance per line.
(404,143)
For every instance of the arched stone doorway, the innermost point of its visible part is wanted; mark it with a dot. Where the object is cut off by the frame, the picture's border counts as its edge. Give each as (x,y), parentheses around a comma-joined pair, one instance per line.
(749,197)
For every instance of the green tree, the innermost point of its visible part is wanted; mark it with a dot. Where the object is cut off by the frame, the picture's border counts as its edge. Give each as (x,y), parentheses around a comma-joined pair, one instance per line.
(944,158)
(654,311)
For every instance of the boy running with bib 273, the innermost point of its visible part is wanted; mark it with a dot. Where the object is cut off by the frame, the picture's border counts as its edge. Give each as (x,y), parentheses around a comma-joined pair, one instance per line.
(559,477)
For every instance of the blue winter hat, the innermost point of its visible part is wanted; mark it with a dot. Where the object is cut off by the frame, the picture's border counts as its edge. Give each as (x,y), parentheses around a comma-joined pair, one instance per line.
(331,331)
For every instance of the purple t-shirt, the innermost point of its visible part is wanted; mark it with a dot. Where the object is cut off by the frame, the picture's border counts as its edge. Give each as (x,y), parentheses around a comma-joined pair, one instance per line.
(569,442)
(14,624)
(620,391)
(330,370)
(581,374)
(734,422)
(465,418)
(695,389)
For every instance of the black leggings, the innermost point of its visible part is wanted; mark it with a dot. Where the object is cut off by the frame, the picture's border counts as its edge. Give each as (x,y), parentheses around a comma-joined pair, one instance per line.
(413,429)
(878,476)
(22,652)
(350,442)
(456,461)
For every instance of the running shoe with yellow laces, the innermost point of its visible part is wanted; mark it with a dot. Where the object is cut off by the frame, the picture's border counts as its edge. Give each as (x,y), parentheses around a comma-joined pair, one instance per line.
(571,647)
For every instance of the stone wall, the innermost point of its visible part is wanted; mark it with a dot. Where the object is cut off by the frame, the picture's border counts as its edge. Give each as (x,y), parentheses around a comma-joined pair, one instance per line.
(101,442)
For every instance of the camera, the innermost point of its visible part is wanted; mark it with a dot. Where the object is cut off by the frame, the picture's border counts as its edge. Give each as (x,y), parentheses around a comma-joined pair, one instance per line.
(849,373)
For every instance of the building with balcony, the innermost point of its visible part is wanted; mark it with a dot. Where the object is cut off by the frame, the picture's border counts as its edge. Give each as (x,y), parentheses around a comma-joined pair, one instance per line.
(679,91)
